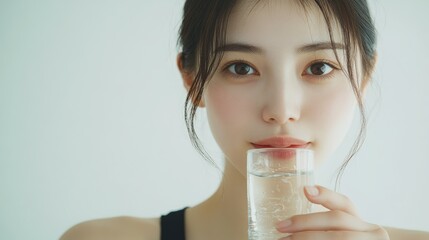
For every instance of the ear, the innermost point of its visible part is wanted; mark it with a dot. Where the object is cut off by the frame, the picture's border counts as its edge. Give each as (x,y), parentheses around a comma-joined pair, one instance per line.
(187,78)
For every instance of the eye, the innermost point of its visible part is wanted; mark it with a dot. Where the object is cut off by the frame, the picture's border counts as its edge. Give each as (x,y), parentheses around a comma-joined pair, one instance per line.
(319,69)
(241,68)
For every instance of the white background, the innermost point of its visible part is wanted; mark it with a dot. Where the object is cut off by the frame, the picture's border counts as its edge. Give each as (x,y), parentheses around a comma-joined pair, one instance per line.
(91,122)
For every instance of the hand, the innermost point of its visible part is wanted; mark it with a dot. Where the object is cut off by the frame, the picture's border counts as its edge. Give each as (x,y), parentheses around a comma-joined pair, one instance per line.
(340,222)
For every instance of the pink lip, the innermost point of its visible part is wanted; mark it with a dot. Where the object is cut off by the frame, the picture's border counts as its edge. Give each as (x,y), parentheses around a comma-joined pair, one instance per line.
(281,142)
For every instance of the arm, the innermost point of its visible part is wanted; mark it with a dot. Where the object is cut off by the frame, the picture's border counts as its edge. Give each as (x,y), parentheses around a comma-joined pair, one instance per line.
(403,234)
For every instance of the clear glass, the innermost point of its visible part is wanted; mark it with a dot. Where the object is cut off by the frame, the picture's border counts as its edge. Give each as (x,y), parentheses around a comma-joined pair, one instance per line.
(275,188)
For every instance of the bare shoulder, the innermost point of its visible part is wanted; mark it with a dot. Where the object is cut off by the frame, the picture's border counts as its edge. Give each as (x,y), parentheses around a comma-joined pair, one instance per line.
(126,228)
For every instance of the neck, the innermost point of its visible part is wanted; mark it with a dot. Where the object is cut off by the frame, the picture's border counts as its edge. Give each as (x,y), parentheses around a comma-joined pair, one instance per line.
(224,214)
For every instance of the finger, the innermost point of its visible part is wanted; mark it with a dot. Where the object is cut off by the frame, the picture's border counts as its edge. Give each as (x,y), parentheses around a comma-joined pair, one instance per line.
(334,235)
(325,221)
(330,199)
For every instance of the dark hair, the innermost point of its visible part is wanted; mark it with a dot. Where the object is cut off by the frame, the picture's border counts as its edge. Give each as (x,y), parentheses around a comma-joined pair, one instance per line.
(203,30)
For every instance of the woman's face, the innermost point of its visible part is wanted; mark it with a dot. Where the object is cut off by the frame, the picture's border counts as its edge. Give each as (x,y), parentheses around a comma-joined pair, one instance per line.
(278,77)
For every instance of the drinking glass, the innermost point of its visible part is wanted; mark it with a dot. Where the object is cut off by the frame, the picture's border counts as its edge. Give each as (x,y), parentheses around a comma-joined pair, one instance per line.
(275,188)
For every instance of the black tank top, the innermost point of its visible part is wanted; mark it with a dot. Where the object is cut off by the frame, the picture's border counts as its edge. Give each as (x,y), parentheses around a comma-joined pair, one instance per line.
(173,225)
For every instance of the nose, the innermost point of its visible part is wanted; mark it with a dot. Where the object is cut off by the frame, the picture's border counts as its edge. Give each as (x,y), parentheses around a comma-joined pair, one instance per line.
(282,102)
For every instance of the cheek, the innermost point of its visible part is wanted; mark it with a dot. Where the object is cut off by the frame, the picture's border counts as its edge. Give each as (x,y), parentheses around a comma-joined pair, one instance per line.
(227,111)
(335,110)
(222,106)
(332,117)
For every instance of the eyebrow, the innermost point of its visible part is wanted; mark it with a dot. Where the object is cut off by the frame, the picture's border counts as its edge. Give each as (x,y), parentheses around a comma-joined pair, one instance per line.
(239,47)
(247,48)
(320,46)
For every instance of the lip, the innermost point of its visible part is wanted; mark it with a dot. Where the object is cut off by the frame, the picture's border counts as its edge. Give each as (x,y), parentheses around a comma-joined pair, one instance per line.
(281,142)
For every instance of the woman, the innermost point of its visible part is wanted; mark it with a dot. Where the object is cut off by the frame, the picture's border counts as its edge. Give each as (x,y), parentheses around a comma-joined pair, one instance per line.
(288,71)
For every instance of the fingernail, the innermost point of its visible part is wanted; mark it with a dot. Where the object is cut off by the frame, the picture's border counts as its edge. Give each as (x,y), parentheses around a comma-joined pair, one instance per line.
(284,224)
(311,190)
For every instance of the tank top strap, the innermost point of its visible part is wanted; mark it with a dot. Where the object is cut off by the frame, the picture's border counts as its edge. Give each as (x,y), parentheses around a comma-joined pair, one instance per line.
(173,225)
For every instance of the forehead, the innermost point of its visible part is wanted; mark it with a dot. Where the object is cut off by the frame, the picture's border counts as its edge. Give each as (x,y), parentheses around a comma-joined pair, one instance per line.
(278,22)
